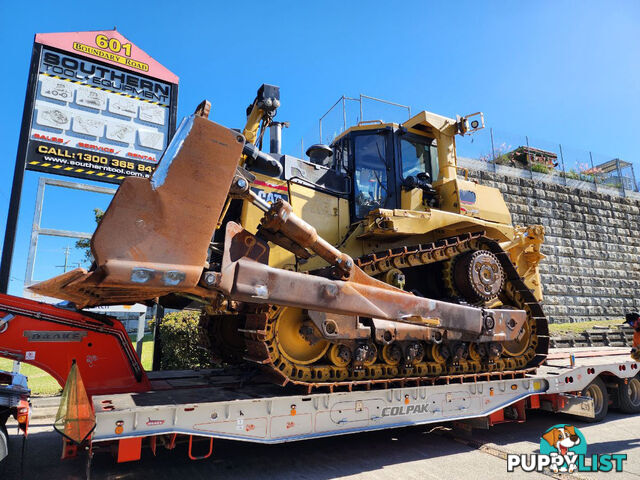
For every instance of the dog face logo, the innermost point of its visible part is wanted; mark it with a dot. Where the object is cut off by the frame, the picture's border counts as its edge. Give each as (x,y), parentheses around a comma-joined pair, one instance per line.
(562,438)
(563,443)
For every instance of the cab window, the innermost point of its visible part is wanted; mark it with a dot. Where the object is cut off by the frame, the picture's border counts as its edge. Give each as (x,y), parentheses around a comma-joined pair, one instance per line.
(370,175)
(418,155)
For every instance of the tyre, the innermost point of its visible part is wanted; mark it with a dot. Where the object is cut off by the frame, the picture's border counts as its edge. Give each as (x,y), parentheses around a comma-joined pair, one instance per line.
(629,394)
(598,391)
(4,443)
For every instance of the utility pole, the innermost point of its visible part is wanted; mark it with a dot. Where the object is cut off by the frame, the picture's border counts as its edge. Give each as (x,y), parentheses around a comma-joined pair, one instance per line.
(67,252)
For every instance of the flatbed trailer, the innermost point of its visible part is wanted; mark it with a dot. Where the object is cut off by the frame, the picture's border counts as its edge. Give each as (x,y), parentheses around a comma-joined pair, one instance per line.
(215,405)
(134,408)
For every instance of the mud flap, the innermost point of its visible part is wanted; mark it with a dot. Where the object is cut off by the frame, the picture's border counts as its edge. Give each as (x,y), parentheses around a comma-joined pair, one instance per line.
(571,404)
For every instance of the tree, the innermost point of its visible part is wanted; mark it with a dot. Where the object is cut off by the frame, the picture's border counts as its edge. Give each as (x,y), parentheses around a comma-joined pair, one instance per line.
(85,243)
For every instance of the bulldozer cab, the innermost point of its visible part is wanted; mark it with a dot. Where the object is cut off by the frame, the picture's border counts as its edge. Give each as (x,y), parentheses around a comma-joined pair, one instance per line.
(372,171)
(381,162)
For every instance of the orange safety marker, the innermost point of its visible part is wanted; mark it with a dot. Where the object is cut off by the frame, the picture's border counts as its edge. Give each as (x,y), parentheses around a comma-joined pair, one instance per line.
(75,419)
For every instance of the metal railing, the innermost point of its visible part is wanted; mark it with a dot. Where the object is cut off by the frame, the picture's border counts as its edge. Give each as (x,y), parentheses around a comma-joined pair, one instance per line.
(556,162)
(342,101)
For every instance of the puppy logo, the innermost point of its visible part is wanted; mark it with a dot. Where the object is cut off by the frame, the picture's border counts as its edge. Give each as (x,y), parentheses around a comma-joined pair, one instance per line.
(562,438)
(565,442)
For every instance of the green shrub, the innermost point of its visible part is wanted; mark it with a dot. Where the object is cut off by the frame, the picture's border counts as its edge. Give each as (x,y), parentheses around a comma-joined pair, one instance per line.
(572,174)
(539,167)
(180,334)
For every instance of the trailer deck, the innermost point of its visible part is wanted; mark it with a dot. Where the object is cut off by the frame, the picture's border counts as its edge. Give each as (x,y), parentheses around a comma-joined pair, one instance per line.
(217,406)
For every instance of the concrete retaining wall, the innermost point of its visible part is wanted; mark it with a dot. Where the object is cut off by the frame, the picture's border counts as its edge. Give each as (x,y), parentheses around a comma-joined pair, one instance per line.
(592,243)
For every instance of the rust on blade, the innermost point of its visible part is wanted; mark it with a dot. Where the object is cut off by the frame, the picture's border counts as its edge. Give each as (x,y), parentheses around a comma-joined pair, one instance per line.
(154,237)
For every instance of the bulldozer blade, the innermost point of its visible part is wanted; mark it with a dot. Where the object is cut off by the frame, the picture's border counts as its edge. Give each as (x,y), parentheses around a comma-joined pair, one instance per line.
(154,237)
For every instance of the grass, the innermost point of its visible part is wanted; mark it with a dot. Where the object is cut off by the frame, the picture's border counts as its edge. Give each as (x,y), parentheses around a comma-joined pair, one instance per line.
(40,382)
(577,327)
(43,384)
(147,352)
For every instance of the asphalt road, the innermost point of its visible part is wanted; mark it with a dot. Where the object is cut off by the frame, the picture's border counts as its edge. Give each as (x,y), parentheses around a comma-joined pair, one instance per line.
(410,453)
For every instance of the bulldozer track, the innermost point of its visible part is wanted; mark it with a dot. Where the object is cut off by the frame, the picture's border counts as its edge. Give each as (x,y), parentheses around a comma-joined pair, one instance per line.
(262,343)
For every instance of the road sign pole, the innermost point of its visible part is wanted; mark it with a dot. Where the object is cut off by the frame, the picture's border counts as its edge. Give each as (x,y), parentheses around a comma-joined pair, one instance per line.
(18,174)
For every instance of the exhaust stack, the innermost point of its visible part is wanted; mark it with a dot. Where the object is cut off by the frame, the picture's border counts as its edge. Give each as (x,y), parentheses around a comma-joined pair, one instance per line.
(275,136)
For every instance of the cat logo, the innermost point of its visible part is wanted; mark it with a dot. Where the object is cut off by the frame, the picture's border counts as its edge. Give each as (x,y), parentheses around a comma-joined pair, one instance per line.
(270,193)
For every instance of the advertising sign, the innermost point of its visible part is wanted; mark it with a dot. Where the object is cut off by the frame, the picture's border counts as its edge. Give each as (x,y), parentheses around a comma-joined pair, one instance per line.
(97,108)
(101,109)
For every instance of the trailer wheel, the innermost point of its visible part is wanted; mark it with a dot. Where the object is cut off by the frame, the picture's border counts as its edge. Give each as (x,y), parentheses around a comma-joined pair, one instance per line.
(4,443)
(598,391)
(629,395)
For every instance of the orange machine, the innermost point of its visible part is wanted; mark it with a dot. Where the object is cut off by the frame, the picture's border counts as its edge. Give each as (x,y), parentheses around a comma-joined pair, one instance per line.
(52,338)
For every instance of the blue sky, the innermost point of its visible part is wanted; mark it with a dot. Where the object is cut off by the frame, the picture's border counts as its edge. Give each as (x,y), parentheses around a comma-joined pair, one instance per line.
(556,71)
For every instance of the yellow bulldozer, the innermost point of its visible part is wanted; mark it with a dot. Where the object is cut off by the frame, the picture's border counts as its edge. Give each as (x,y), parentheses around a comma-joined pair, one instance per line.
(373,261)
